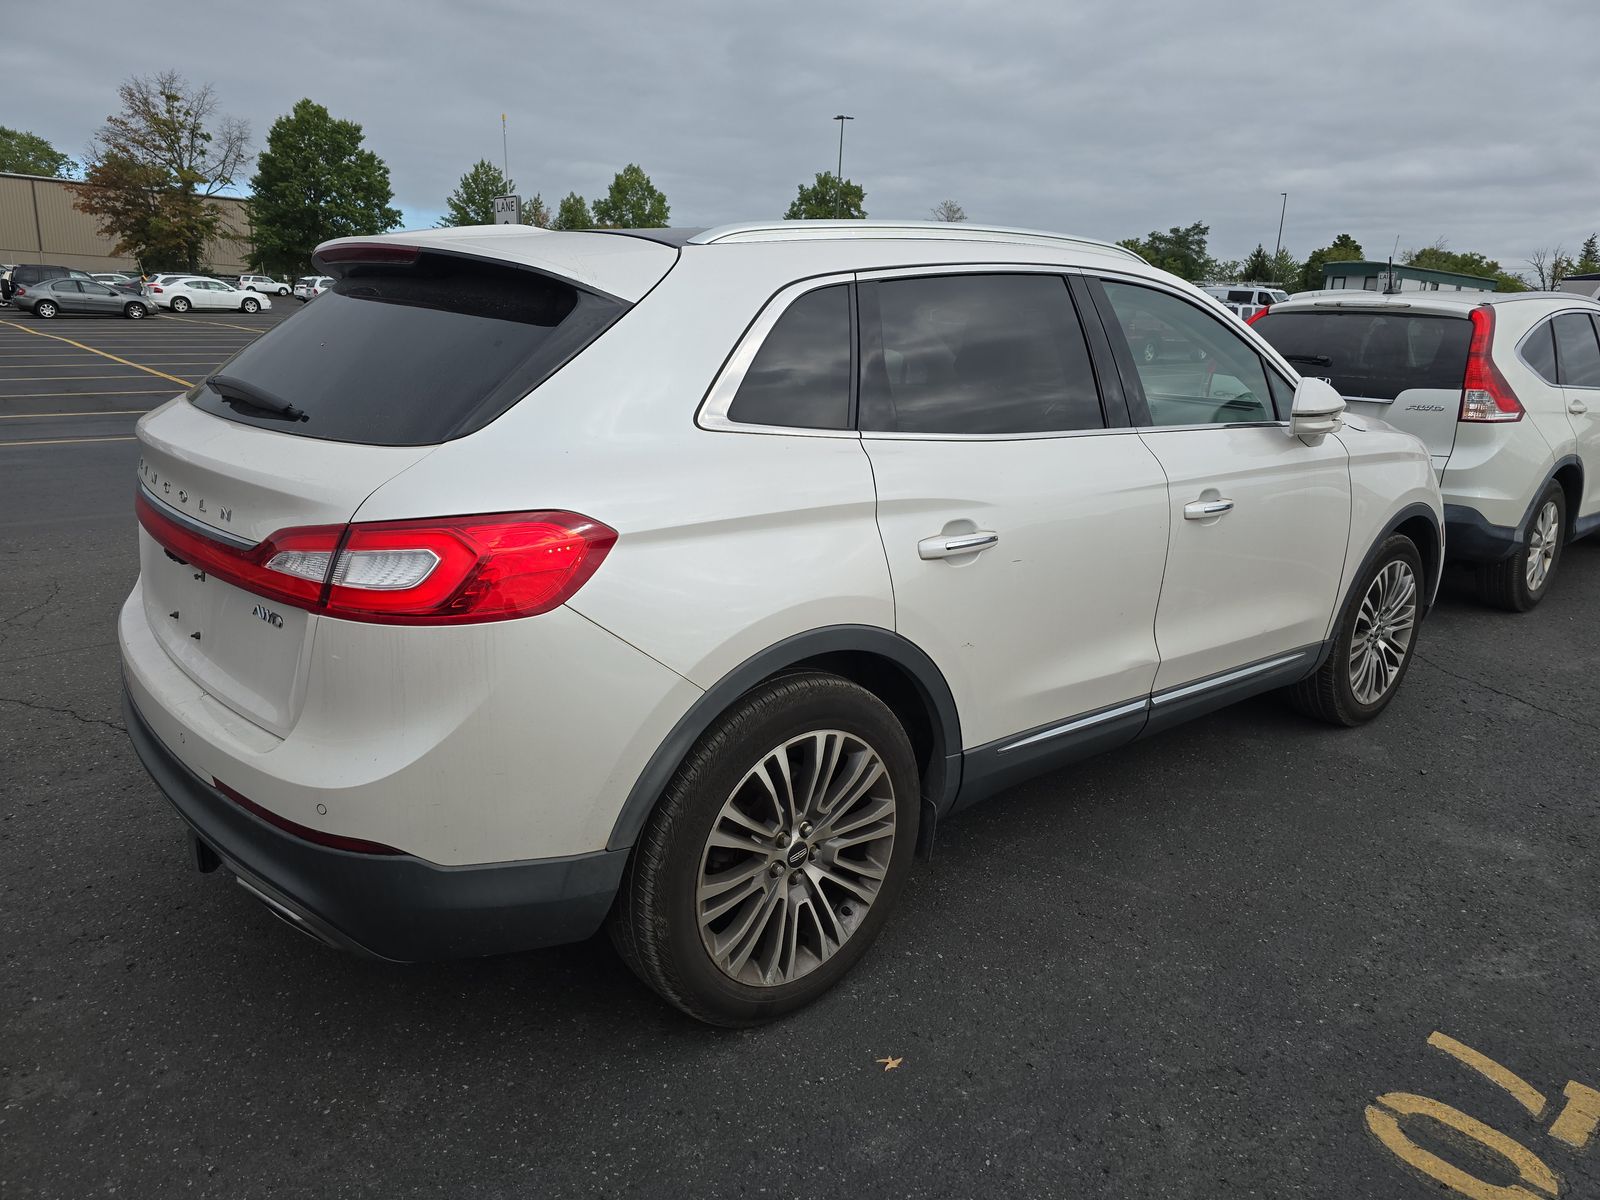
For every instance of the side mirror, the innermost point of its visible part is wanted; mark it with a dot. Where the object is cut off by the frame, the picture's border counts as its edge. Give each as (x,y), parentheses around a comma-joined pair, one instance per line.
(1318,411)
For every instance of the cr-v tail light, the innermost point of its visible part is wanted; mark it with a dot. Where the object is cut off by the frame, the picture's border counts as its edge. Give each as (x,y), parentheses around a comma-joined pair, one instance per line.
(443,571)
(1485,394)
(1257,315)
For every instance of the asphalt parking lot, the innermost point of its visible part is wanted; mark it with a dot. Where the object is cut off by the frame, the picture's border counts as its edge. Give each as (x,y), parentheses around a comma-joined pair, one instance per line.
(1188,969)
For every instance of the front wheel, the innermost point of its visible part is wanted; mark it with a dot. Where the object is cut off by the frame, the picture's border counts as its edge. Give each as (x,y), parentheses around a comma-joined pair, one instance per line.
(1373,643)
(45,309)
(1517,583)
(135,312)
(775,855)
(180,304)
(283,291)
(251,305)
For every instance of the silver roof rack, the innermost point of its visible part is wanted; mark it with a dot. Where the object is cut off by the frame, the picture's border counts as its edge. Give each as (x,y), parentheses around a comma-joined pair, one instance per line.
(942,231)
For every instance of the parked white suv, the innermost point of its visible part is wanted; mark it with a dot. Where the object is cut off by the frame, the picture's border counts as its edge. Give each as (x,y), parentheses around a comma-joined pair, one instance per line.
(262,283)
(1499,386)
(532,578)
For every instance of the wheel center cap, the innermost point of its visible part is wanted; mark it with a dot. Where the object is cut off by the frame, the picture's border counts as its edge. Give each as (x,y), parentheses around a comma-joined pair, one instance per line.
(798,853)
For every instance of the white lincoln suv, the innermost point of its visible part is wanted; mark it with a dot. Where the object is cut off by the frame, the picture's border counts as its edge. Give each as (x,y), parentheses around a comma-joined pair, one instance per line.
(681,580)
(1504,390)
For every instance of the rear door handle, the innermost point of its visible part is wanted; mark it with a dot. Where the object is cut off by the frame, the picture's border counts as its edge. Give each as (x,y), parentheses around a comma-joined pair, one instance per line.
(950,545)
(1204,510)
(1577,408)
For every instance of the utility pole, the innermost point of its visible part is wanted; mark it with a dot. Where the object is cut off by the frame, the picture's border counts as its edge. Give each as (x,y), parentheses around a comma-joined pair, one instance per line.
(1278,245)
(505,158)
(838,179)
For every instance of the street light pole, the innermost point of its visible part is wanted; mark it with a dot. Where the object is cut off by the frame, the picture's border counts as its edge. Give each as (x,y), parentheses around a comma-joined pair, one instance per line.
(838,179)
(1278,245)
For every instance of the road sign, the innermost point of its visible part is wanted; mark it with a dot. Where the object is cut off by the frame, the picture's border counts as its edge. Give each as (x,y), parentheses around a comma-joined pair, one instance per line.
(508,210)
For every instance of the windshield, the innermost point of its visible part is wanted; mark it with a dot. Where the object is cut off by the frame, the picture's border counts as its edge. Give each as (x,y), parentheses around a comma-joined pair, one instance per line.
(411,355)
(1372,354)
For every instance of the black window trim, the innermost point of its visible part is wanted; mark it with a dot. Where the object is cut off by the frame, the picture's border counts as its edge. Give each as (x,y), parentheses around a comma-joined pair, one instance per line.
(1138,406)
(1555,345)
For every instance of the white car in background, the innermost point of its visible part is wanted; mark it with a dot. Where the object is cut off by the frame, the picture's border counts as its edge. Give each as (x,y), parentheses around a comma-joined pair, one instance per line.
(683,579)
(1503,388)
(309,287)
(263,283)
(180,293)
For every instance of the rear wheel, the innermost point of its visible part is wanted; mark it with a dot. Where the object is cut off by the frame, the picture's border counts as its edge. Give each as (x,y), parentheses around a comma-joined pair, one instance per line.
(1517,583)
(251,305)
(45,309)
(135,311)
(1374,642)
(775,855)
(180,304)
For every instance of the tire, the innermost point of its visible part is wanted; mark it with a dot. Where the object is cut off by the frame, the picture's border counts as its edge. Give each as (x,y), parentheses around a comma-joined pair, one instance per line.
(46,309)
(135,311)
(251,305)
(803,721)
(180,304)
(283,291)
(1333,693)
(1517,583)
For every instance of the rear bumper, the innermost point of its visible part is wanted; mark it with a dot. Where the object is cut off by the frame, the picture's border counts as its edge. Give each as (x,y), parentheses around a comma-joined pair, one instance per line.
(394,907)
(1470,537)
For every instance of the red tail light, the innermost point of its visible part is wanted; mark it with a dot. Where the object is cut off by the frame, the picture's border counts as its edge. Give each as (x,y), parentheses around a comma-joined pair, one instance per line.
(1256,316)
(19,290)
(155,287)
(334,841)
(1485,394)
(449,571)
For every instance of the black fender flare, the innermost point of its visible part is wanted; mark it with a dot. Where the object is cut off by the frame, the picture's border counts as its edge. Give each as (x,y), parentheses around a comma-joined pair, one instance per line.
(885,644)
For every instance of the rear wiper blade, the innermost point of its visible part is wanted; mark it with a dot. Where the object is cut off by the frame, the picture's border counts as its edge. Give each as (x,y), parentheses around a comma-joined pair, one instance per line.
(1321,360)
(230,388)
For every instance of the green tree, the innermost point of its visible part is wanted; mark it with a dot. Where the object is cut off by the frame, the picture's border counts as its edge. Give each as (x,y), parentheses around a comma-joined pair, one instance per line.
(534,212)
(1284,269)
(1589,257)
(1257,266)
(632,202)
(1181,250)
(573,213)
(1344,248)
(472,203)
(315,181)
(1439,257)
(29,154)
(151,167)
(828,198)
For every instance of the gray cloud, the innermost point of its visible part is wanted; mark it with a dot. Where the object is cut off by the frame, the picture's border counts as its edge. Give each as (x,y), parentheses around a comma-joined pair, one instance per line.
(1419,120)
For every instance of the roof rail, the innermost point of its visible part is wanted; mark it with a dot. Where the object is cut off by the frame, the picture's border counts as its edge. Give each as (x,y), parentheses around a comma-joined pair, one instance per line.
(942,231)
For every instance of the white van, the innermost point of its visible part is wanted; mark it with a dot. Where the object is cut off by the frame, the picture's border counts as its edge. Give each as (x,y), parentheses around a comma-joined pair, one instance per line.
(1247,299)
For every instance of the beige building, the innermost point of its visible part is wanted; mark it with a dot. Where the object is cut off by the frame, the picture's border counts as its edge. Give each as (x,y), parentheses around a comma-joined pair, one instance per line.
(38,224)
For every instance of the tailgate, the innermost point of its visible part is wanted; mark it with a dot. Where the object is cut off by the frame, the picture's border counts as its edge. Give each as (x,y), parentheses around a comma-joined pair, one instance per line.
(239,484)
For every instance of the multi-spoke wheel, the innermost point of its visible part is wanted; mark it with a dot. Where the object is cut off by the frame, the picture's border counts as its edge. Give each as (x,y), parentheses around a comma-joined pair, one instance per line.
(1374,640)
(1519,582)
(775,854)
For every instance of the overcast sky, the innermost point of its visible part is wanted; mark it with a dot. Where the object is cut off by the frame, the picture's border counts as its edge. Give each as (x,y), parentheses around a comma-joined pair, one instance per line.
(1472,120)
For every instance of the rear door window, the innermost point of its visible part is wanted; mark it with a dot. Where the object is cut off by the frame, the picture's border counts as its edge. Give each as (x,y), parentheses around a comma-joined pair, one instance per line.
(972,355)
(1577,351)
(801,375)
(410,354)
(1372,355)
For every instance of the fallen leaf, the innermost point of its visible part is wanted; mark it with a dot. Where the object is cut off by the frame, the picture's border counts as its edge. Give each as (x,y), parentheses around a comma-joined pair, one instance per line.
(890,1064)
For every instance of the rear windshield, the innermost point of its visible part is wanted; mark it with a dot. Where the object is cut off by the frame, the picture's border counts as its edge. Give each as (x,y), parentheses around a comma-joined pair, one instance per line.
(409,355)
(1376,355)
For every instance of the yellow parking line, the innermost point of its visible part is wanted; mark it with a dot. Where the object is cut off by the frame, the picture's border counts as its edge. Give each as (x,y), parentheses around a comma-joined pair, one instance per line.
(59,378)
(124,361)
(104,412)
(69,441)
(213,324)
(120,392)
(1523,1092)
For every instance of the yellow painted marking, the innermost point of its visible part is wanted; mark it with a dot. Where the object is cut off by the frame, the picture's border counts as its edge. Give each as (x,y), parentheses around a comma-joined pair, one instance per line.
(213,324)
(1385,1125)
(1579,1119)
(1523,1092)
(69,441)
(59,378)
(124,361)
(104,412)
(121,392)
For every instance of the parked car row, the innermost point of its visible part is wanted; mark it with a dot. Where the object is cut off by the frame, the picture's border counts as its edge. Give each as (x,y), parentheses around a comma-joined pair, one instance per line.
(843,528)
(47,291)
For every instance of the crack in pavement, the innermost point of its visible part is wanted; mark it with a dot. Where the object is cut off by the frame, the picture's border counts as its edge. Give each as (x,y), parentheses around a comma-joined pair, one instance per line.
(65,712)
(1489,687)
(55,590)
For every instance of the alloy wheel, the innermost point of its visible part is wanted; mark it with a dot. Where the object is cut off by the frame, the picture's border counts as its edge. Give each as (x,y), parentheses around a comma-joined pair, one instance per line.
(795,858)
(1544,539)
(1384,627)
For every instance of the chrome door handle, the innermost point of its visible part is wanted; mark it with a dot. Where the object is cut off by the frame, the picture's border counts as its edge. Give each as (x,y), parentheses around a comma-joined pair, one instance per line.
(1204,510)
(948,546)
(1577,408)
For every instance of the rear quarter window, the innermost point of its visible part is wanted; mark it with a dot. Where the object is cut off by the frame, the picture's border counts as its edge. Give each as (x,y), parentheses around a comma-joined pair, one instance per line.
(1372,355)
(411,355)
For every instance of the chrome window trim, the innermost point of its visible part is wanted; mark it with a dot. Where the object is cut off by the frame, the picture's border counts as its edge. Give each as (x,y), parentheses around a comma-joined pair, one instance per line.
(713,412)
(1215,681)
(193,524)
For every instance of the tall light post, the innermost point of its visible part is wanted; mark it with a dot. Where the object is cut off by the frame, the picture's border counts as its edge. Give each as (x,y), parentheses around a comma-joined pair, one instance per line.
(838,178)
(1278,245)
